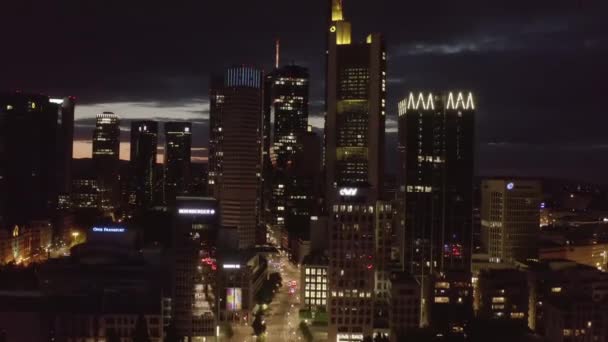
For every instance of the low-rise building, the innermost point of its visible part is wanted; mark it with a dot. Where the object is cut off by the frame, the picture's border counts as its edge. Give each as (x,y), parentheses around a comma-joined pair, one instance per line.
(241,275)
(502,294)
(313,280)
(25,243)
(575,319)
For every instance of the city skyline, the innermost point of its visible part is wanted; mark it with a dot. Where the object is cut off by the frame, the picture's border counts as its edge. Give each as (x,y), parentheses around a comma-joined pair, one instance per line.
(327,170)
(554,45)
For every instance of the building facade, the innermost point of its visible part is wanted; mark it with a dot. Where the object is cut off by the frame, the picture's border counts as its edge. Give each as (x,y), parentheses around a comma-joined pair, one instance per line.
(356,109)
(510,219)
(238,179)
(195,228)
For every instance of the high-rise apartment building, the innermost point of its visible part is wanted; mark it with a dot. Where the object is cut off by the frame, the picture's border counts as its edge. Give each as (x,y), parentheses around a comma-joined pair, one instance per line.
(106,154)
(236,145)
(178,143)
(144,143)
(36,139)
(510,219)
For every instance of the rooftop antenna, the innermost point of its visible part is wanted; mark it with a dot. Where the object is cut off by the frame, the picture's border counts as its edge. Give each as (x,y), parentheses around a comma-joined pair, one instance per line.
(277,48)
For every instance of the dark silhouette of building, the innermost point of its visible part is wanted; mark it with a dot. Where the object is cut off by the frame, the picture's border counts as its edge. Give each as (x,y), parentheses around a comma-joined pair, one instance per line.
(144,141)
(216,105)
(236,134)
(36,139)
(178,143)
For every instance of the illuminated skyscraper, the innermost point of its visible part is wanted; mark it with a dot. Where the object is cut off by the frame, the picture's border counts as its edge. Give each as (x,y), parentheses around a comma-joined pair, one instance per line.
(286,110)
(106,153)
(356,109)
(436,148)
(237,140)
(106,138)
(36,139)
(178,143)
(286,103)
(354,160)
(144,140)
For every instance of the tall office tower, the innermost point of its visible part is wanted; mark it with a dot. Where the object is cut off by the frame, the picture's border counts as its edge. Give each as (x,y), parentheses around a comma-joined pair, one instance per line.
(106,154)
(36,137)
(356,109)
(436,146)
(510,219)
(286,103)
(195,229)
(144,143)
(216,105)
(178,143)
(286,110)
(240,123)
(354,167)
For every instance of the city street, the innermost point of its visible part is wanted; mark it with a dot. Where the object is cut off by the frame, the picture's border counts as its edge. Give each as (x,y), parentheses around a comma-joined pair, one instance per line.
(282,314)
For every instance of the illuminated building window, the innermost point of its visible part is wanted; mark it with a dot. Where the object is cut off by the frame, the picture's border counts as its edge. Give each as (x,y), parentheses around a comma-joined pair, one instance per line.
(517,315)
(442,299)
(498,299)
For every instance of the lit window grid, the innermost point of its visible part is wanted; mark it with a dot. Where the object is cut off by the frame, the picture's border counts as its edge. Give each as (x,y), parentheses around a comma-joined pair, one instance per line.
(315,286)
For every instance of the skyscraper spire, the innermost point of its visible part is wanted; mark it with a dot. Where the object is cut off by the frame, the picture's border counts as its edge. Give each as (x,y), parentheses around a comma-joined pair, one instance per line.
(277,48)
(336,10)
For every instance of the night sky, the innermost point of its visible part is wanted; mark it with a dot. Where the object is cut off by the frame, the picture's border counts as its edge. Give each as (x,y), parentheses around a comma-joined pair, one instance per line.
(538,68)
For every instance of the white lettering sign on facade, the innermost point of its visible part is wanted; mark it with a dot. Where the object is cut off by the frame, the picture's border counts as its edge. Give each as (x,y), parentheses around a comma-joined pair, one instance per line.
(232,266)
(108,229)
(348,192)
(192,211)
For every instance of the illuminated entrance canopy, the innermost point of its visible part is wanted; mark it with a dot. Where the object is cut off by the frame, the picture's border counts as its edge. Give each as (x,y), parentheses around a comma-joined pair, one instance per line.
(108,229)
(194,211)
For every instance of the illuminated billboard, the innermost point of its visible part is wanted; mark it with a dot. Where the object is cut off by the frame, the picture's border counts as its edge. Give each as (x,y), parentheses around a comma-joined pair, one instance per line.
(234,299)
